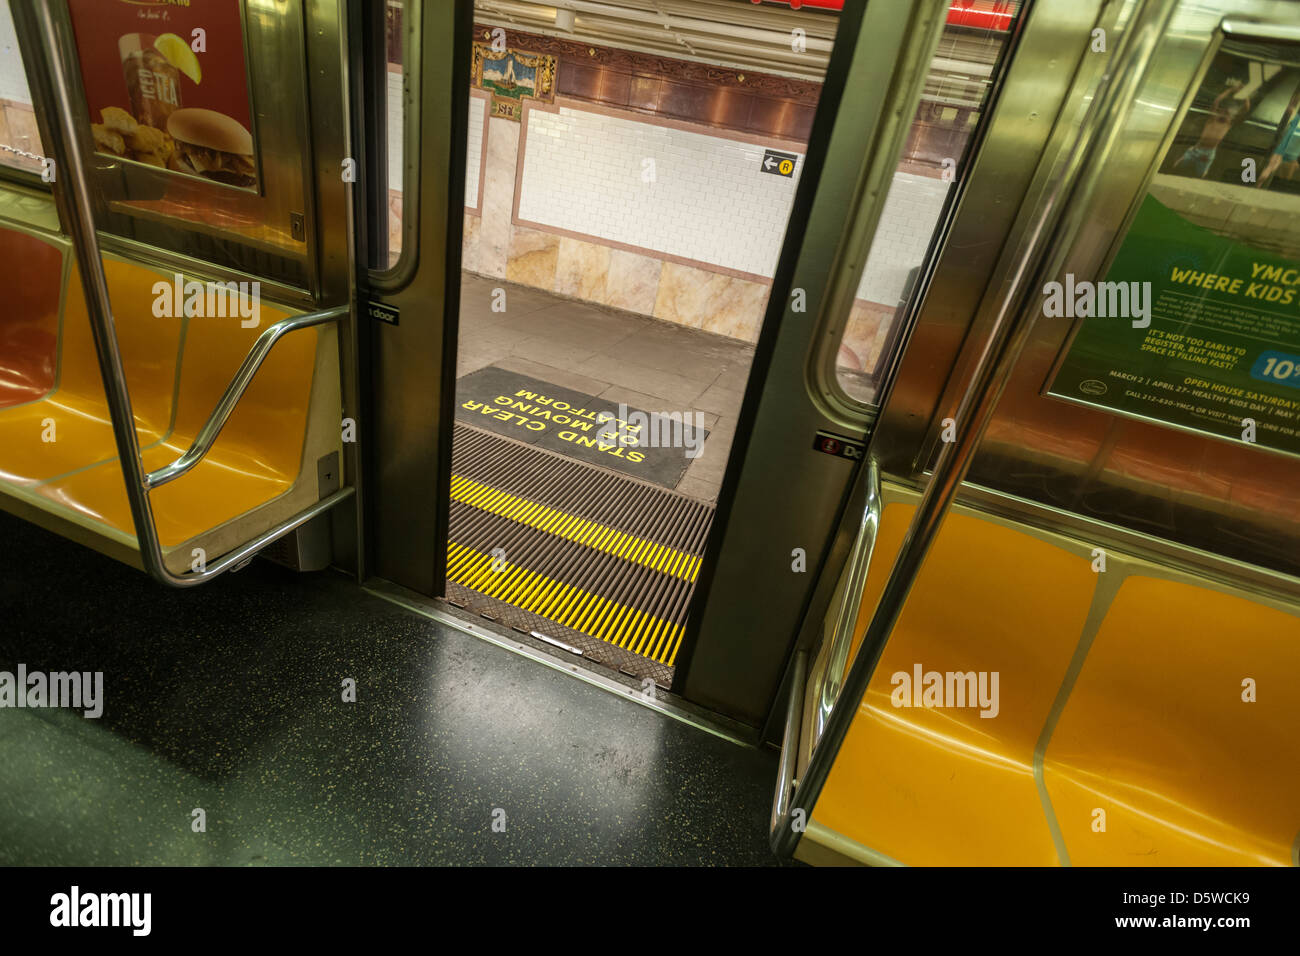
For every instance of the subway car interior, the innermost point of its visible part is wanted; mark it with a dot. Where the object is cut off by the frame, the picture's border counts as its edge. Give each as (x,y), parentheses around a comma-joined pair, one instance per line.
(626,432)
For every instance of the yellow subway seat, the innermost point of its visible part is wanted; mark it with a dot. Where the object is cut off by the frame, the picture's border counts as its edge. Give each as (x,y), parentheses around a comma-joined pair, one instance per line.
(258,455)
(1157,735)
(212,493)
(75,413)
(81,435)
(943,785)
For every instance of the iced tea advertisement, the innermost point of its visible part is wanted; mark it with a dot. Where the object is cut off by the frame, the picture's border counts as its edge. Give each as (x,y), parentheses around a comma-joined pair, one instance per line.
(1197,323)
(166,85)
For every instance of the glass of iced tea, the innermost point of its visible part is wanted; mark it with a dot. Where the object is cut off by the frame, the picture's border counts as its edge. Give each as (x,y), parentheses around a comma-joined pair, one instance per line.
(153,83)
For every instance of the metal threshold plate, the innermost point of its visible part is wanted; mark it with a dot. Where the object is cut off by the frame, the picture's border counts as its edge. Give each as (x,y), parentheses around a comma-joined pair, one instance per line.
(588,560)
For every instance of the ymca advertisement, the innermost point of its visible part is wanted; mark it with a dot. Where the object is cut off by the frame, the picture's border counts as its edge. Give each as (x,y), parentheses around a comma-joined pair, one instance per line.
(1212,259)
(166,85)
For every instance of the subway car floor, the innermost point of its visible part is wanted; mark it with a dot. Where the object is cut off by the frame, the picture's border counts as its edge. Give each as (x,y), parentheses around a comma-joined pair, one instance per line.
(228,698)
(553,532)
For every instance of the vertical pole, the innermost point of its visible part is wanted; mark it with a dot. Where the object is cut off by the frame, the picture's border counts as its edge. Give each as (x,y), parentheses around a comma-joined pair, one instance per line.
(39,34)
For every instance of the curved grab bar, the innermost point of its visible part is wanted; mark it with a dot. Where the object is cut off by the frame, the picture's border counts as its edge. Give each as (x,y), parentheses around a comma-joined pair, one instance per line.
(785,782)
(846,615)
(832,681)
(245,551)
(41,33)
(207,435)
(1050,224)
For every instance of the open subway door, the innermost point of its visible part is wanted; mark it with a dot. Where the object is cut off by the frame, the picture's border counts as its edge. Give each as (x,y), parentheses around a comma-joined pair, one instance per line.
(1067,630)
(902,104)
(415,81)
(177,397)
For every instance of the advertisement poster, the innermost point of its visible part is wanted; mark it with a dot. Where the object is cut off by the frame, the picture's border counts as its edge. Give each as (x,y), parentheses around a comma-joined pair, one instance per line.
(166,85)
(1214,254)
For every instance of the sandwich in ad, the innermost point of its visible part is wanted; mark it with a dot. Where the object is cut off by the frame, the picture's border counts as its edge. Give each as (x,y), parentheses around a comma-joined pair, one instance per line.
(212,144)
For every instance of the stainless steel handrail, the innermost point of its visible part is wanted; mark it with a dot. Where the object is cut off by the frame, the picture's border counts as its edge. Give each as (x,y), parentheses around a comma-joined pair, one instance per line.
(785,782)
(1051,225)
(40,34)
(830,681)
(846,615)
(239,383)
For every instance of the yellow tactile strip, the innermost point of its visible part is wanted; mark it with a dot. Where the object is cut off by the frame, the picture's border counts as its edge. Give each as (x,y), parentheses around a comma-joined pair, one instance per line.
(574,607)
(588,557)
(575,528)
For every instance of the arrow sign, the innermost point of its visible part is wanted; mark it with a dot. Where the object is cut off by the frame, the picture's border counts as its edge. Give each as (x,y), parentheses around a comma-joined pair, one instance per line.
(778,164)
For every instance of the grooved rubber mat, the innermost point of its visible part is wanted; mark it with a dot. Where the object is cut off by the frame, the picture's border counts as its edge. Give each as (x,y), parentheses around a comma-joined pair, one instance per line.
(603,564)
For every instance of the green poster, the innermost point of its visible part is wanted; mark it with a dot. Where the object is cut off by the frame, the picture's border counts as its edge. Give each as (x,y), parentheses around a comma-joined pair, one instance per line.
(1197,323)
(1218,347)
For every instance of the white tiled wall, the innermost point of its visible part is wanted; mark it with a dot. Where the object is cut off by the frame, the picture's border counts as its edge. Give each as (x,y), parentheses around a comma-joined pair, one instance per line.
(474,152)
(709,200)
(911,212)
(13,81)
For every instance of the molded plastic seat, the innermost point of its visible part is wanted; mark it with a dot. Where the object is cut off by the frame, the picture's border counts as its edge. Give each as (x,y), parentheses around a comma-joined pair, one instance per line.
(965,616)
(29,327)
(258,456)
(76,408)
(1158,728)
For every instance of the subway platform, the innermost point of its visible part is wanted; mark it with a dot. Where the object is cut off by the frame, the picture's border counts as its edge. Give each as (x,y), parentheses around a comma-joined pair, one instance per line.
(618,356)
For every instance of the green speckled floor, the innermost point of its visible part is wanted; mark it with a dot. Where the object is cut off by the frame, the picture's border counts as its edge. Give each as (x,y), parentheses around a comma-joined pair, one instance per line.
(228,697)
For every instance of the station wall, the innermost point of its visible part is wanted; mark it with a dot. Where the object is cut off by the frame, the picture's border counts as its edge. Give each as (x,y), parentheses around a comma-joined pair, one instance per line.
(565,207)
(678,191)
(563,200)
